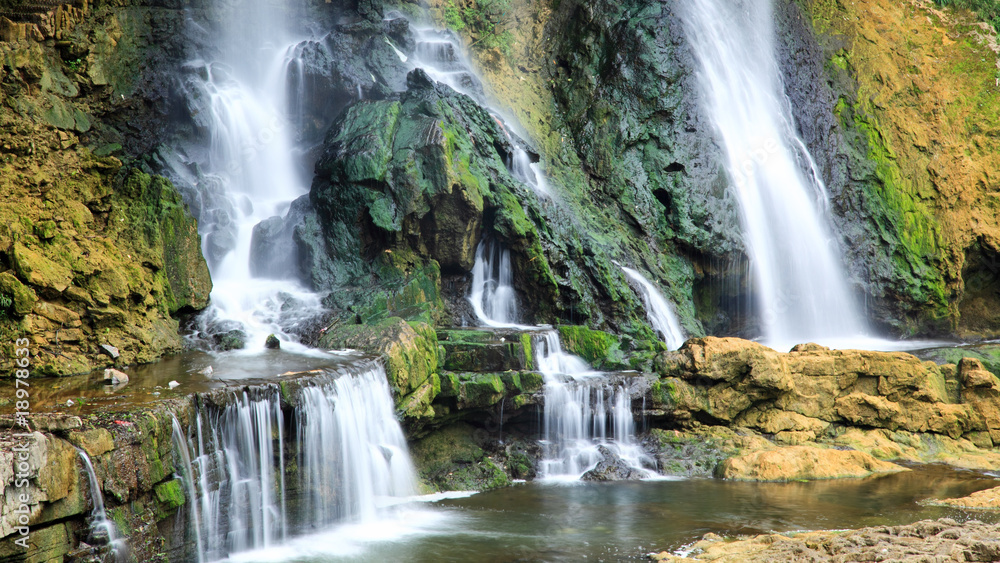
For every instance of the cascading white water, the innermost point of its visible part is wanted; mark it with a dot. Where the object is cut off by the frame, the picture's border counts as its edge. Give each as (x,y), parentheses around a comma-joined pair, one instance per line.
(352,461)
(580,405)
(252,97)
(799,280)
(659,312)
(579,402)
(102,528)
(492,295)
(351,444)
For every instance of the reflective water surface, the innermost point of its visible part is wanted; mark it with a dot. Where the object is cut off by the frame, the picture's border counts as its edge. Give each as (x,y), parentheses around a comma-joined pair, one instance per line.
(625,521)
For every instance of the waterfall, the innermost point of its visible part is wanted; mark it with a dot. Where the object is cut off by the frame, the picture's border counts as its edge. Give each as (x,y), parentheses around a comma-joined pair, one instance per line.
(351,444)
(102,528)
(580,403)
(659,312)
(584,411)
(492,296)
(352,461)
(249,101)
(798,277)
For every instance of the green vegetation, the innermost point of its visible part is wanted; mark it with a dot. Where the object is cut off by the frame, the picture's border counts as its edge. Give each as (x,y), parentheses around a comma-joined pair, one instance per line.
(486,21)
(988,10)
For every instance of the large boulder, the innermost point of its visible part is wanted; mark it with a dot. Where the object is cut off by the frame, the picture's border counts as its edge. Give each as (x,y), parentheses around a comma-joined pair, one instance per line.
(803,462)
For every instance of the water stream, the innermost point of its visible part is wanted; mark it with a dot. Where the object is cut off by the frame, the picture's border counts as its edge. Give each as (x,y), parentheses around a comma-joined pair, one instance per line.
(658,310)
(352,463)
(797,266)
(102,529)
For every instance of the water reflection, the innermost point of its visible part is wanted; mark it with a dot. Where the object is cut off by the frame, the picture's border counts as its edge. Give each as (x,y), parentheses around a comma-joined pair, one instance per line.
(625,521)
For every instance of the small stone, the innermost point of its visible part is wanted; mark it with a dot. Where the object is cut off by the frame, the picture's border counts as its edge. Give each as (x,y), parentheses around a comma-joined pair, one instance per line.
(115,377)
(110,350)
(272,342)
(173,385)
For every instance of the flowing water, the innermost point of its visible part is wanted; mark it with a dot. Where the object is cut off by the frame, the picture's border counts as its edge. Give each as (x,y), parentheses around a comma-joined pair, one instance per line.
(249,94)
(492,295)
(352,463)
(659,311)
(102,529)
(624,521)
(798,276)
(585,412)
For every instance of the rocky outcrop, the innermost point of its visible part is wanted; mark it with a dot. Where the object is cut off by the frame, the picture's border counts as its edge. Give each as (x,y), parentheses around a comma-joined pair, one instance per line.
(988,499)
(93,251)
(937,540)
(802,462)
(745,411)
(918,178)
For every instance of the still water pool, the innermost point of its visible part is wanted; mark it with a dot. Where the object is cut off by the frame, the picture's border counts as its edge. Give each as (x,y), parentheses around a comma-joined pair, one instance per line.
(625,521)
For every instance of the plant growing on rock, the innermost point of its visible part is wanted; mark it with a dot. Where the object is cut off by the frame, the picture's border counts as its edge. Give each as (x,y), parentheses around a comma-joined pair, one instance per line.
(486,21)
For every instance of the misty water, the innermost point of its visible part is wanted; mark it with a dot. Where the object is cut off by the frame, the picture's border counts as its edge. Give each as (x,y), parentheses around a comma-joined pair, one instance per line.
(626,521)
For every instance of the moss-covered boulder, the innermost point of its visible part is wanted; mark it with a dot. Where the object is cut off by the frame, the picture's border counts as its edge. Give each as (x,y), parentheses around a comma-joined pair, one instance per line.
(453,459)
(410,354)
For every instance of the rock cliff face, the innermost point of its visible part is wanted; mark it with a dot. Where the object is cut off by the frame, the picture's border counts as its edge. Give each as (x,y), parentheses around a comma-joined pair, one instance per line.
(94,251)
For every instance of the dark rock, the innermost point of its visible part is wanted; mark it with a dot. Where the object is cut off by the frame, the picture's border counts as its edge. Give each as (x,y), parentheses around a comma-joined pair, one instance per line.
(417,79)
(611,468)
(230,340)
(272,342)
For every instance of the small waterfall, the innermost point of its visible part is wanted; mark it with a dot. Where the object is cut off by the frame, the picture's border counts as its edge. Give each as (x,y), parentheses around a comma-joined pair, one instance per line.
(584,411)
(102,528)
(580,404)
(439,54)
(352,461)
(529,172)
(659,312)
(196,504)
(799,278)
(353,453)
(492,296)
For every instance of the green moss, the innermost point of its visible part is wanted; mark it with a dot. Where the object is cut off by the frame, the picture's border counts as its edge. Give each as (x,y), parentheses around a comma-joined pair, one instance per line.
(169,497)
(601,349)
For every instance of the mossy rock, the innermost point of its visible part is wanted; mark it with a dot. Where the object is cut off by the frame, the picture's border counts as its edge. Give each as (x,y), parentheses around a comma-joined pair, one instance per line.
(451,459)
(169,497)
(600,349)
(409,351)
(22,297)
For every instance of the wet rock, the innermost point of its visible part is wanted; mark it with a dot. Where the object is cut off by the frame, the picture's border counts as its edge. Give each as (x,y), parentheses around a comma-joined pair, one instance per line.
(96,442)
(234,339)
(611,467)
(988,499)
(410,354)
(115,377)
(272,342)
